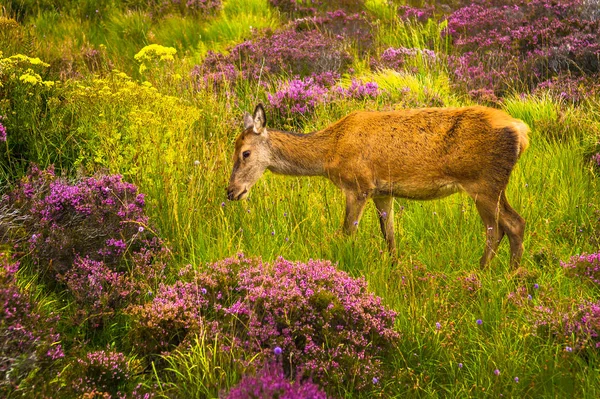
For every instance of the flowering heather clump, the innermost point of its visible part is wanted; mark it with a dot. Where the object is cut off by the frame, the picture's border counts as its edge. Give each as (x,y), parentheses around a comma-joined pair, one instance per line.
(470,283)
(355,28)
(2,130)
(28,340)
(270,382)
(539,39)
(288,52)
(160,8)
(105,374)
(569,89)
(96,217)
(299,97)
(584,325)
(578,329)
(97,289)
(418,14)
(586,267)
(596,160)
(91,235)
(298,8)
(326,324)
(520,297)
(164,323)
(359,90)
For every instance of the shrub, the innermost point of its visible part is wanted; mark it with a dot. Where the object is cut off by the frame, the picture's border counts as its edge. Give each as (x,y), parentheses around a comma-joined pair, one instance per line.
(353,28)
(404,59)
(28,339)
(299,97)
(298,8)
(586,267)
(2,130)
(539,39)
(577,329)
(159,8)
(287,52)
(270,382)
(326,323)
(105,374)
(91,235)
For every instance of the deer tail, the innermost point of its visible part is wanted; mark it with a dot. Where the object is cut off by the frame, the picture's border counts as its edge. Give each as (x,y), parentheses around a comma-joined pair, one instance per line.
(522,133)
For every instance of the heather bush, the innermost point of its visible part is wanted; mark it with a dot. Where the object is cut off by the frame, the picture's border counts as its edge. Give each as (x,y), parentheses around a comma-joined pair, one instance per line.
(531,40)
(416,14)
(351,28)
(326,324)
(586,267)
(299,97)
(299,8)
(577,329)
(404,59)
(105,374)
(287,52)
(270,382)
(91,235)
(29,343)
(2,130)
(160,8)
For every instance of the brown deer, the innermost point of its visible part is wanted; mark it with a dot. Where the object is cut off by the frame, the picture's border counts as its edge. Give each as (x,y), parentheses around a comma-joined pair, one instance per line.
(418,154)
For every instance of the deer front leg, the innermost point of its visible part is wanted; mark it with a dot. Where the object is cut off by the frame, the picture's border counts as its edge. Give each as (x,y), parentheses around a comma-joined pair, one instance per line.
(355,204)
(385,211)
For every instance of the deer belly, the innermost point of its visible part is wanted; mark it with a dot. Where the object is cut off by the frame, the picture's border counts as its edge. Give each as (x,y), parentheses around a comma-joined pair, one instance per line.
(418,190)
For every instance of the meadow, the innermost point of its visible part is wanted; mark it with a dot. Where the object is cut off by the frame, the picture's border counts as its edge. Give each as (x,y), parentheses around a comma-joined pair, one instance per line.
(126,272)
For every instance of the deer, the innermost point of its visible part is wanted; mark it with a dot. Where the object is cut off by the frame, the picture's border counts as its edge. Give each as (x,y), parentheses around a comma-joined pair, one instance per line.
(417,154)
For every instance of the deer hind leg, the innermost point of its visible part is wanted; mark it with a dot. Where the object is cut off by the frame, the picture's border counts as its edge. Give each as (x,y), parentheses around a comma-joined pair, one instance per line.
(514,226)
(385,211)
(489,210)
(355,205)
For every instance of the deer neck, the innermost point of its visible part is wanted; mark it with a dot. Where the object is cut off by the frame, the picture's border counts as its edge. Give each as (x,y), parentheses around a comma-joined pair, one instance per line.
(298,154)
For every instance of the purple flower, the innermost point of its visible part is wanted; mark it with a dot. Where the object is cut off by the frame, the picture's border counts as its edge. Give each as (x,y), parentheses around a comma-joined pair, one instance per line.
(222,204)
(479,321)
(460,365)
(496,372)
(267,305)
(516,379)
(270,382)
(438,326)
(2,132)
(568,349)
(536,286)
(375,380)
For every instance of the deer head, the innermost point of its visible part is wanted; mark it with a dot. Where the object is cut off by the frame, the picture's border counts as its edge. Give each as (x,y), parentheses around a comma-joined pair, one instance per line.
(252,155)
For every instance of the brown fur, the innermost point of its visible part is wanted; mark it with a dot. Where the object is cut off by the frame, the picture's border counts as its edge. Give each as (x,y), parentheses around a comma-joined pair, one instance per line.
(419,154)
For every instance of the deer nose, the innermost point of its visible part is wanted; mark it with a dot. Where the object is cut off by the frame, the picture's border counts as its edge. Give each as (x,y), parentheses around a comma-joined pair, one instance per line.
(230,194)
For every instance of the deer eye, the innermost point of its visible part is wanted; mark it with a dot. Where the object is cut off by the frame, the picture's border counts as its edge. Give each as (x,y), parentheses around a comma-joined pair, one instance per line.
(246,154)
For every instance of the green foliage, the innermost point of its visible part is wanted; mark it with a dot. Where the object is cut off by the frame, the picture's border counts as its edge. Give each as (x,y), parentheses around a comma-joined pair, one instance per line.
(202,370)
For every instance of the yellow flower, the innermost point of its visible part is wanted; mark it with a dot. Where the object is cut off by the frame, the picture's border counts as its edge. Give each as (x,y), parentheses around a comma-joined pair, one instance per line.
(25,59)
(30,77)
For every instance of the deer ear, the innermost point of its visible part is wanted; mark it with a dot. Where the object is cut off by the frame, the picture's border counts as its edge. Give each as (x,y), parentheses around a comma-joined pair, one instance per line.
(248,121)
(260,120)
